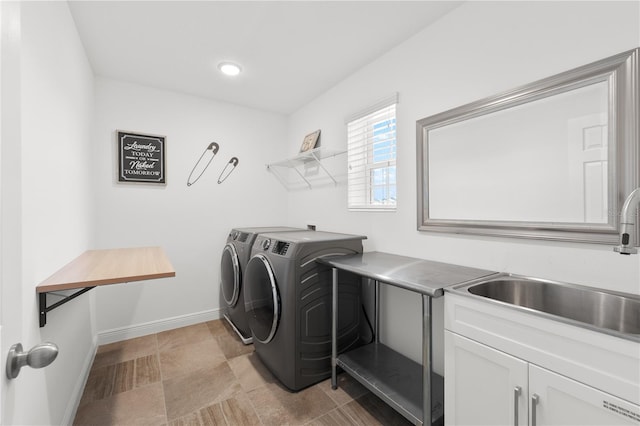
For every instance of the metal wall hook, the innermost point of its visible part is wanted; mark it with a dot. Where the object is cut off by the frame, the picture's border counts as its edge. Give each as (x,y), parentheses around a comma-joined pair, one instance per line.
(39,356)
(214,148)
(225,174)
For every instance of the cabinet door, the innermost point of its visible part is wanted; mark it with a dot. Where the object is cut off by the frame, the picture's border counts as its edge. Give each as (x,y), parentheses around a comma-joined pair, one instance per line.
(483,386)
(562,401)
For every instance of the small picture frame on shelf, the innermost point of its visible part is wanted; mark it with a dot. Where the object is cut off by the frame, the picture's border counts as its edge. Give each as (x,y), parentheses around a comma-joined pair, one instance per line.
(310,141)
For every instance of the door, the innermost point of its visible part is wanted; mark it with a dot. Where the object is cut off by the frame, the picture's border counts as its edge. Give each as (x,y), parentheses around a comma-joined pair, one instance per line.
(230,275)
(261,298)
(483,386)
(588,165)
(10,200)
(562,401)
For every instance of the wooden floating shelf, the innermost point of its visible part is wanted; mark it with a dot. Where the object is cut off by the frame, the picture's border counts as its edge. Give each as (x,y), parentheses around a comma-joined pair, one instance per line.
(102,267)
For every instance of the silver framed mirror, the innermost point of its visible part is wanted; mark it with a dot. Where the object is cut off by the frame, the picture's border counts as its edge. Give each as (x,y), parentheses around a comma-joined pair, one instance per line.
(550,160)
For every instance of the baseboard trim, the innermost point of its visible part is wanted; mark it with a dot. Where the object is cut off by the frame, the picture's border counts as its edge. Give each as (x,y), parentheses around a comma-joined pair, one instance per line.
(72,408)
(144,329)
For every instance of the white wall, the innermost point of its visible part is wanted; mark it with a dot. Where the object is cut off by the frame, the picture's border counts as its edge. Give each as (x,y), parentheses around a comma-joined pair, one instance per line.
(56,96)
(477,50)
(190,223)
(71,200)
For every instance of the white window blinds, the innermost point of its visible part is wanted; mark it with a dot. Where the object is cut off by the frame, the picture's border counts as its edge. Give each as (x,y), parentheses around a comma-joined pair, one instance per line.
(371,157)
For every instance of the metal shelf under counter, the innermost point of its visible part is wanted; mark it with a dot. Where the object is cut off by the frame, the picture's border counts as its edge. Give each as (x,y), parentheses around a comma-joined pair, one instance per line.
(408,387)
(394,378)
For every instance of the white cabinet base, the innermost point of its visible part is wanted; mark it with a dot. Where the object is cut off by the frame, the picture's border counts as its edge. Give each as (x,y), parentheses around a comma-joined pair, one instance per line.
(480,384)
(605,362)
(563,402)
(484,386)
(506,367)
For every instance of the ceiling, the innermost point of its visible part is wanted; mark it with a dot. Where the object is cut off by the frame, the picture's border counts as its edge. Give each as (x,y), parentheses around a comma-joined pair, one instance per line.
(290,51)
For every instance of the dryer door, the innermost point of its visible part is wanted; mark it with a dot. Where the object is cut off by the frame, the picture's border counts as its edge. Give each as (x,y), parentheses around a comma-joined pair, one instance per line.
(230,275)
(262,301)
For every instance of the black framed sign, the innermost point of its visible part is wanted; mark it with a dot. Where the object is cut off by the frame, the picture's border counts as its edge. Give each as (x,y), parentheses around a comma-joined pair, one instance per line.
(141,158)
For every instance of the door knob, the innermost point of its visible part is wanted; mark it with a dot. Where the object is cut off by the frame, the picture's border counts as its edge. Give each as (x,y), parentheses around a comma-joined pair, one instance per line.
(39,356)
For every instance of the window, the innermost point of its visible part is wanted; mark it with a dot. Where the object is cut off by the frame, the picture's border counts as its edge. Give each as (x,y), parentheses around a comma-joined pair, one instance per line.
(371,158)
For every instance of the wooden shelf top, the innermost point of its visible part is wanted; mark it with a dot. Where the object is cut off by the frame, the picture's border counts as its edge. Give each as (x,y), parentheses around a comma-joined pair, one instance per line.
(111,266)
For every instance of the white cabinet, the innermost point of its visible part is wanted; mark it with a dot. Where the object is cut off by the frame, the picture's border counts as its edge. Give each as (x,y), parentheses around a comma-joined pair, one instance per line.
(485,386)
(562,401)
(600,360)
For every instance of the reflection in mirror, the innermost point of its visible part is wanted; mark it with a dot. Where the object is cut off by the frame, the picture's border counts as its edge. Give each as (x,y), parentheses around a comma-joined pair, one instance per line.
(543,161)
(551,160)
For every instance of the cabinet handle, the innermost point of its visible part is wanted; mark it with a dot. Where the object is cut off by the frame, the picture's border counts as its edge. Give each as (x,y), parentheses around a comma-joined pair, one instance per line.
(516,396)
(534,402)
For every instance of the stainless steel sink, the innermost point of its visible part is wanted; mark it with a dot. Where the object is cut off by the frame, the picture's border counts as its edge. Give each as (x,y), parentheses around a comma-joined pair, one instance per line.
(601,309)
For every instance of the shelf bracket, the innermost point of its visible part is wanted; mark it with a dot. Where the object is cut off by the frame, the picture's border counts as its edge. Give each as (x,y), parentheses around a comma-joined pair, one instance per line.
(313,154)
(42,303)
(302,176)
(315,157)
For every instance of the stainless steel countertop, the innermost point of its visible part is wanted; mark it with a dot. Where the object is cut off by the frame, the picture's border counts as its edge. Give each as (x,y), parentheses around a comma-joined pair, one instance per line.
(419,275)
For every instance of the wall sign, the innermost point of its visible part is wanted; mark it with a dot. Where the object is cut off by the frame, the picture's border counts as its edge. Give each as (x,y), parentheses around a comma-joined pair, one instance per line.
(141,158)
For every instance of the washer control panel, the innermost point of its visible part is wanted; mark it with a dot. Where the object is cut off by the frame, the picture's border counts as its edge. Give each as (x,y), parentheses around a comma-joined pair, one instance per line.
(239,236)
(272,245)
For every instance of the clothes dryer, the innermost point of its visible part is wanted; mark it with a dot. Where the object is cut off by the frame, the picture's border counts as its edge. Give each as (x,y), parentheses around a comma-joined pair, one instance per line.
(288,303)
(235,255)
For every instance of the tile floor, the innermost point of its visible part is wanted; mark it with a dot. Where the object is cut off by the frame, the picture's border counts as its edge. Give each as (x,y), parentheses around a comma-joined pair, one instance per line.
(204,375)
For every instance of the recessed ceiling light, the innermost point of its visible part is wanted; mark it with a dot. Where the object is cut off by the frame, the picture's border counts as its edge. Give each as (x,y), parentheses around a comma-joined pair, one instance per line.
(229,68)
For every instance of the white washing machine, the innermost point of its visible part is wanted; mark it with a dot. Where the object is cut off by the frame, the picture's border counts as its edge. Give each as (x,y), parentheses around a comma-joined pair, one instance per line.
(235,255)
(288,303)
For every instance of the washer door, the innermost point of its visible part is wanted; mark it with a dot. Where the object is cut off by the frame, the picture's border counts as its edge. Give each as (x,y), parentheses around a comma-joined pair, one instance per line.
(230,275)
(262,301)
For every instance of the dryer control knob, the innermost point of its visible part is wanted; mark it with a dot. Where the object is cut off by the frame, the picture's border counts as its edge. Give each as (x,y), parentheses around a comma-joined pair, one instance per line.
(266,244)
(235,235)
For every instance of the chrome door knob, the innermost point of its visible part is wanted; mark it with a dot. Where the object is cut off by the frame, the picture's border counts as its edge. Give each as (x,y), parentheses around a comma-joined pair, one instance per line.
(39,356)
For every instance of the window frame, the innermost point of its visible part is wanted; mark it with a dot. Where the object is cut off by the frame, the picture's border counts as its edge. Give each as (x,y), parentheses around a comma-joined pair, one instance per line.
(367,143)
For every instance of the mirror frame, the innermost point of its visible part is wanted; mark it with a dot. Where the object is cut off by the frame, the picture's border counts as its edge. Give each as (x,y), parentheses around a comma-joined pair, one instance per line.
(621,72)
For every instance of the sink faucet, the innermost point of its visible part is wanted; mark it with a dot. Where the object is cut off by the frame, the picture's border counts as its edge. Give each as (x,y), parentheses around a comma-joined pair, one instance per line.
(627,222)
